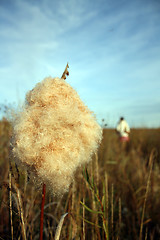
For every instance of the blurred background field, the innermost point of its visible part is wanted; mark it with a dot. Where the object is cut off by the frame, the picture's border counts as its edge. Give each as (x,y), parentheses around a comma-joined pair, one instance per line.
(117,196)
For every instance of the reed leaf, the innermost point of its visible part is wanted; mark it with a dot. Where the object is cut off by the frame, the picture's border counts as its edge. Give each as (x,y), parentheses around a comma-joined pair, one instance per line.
(90,210)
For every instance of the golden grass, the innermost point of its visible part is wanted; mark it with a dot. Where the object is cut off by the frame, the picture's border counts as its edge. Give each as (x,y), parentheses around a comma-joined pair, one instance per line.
(123,202)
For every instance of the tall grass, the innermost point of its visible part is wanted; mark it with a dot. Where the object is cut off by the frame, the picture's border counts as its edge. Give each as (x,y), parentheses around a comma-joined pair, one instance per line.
(115,197)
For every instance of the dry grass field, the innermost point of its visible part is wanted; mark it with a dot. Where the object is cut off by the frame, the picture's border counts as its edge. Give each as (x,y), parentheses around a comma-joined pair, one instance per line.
(116,197)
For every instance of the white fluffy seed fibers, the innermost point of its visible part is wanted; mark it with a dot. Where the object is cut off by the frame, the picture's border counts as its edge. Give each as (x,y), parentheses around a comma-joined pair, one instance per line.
(55,133)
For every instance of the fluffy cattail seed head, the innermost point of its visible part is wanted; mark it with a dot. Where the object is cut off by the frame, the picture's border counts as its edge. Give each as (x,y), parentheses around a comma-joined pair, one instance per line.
(55,133)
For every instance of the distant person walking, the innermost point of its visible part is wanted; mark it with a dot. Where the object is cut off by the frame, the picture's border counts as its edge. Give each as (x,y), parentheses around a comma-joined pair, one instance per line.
(123,130)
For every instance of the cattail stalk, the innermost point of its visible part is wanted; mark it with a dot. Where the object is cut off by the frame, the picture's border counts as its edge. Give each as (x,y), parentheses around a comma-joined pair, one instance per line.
(42,211)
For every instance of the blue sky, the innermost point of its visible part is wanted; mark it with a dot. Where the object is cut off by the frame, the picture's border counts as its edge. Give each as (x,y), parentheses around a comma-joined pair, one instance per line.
(112,46)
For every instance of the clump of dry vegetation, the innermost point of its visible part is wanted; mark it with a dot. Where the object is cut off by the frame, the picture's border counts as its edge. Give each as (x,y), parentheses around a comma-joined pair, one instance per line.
(116,196)
(55,133)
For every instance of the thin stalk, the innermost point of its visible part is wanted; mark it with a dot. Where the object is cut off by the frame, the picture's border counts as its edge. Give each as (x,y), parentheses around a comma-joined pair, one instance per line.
(145,199)
(83,219)
(146,234)
(112,211)
(42,211)
(21,213)
(106,211)
(120,216)
(97,169)
(107,197)
(10,202)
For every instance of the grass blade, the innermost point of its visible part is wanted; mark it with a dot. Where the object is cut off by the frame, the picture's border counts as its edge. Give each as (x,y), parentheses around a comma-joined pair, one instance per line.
(58,231)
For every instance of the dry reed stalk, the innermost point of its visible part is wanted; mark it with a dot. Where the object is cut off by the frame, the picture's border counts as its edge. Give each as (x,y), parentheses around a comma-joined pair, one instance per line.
(146,234)
(25,182)
(83,219)
(107,197)
(42,211)
(105,206)
(50,235)
(10,202)
(48,222)
(112,209)
(30,232)
(78,211)
(120,214)
(27,204)
(73,201)
(73,196)
(97,169)
(94,219)
(21,213)
(18,174)
(146,194)
(30,214)
(67,206)
(74,227)
(153,157)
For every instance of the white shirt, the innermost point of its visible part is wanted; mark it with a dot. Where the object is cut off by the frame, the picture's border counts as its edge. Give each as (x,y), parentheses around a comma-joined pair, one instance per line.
(123,128)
